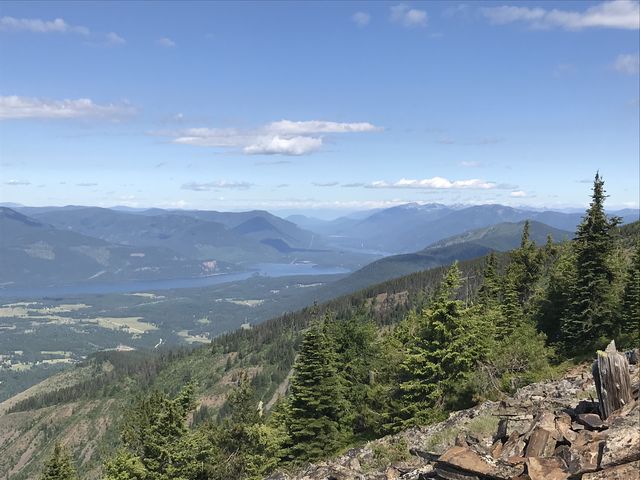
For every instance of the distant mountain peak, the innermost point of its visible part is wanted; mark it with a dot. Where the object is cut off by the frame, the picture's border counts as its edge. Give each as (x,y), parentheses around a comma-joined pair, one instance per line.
(10,214)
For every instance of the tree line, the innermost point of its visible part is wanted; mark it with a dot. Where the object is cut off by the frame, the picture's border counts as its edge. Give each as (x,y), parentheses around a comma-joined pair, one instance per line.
(360,373)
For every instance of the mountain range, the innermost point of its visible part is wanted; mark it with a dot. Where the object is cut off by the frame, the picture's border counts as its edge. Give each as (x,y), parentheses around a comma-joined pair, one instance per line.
(62,245)
(410,227)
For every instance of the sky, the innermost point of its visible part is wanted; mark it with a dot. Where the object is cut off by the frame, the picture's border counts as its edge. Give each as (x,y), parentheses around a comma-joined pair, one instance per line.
(318,107)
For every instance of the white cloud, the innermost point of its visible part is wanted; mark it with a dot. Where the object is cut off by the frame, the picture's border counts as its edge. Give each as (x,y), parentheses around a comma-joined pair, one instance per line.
(470,164)
(86,184)
(113,39)
(283,137)
(287,127)
(57,25)
(518,194)
(623,14)
(16,183)
(215,185)
(477,141)
(15,107)
(435,183)
(275,145)
(361,19)
(326,184)
(36,25)
(166,42)
(408,17)
(627,63)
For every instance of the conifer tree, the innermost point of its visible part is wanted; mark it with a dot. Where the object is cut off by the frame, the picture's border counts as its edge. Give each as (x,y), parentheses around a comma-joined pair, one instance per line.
(249,447)
(59,465)
(438,354)
(630,315)
(358,357)
(592,300)
(489,292)
(519,282)
(315,420)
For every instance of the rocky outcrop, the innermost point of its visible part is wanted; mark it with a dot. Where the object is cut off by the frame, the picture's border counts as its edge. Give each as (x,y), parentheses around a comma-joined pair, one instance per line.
(546,431)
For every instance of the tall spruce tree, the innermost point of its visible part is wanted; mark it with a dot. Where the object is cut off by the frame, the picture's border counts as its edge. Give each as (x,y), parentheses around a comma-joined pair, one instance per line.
(592,303)
(437,354)
(521,276)
(315,420)
(249,447)
(630,315)
(489,292)
(59,465)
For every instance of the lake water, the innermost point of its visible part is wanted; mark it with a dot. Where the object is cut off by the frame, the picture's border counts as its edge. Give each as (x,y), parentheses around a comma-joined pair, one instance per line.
(266,269)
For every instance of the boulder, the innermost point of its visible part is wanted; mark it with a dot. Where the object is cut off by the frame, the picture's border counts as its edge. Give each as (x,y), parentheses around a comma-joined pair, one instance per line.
(580,458)
(627,471)
(462,463)
(563,427)
(546,468)
(623,440)
(513,447)
(591,421)
(542,442)
(466,459)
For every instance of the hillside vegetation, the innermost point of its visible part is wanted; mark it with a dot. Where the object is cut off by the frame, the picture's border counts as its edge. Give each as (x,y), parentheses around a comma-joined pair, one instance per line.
(399,354)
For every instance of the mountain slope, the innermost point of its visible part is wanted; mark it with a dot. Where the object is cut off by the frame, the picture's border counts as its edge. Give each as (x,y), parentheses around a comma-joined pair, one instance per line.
(471,244)
(408,228)
(83,406)
(34,253)
(68,409)
(505,236)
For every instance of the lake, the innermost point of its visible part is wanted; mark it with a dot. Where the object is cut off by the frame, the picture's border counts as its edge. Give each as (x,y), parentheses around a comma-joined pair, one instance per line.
(266,269)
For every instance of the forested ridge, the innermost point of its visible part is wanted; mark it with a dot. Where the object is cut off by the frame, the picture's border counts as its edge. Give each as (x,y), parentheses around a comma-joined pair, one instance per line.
(402,353)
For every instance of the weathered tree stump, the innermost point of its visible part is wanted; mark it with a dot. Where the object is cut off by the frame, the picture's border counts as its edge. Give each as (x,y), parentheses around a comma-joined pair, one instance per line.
(613,381)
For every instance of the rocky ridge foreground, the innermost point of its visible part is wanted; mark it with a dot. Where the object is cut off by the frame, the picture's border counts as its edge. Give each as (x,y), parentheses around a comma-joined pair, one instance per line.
(549,430)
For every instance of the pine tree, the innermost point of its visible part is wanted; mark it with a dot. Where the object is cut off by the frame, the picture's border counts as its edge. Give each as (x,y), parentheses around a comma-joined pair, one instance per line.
(630,315)
(489,292)
(592,300)
(438,354)
(553,304)
(358,358)
(59,465)
(315,421)
(250,447)
(522,274)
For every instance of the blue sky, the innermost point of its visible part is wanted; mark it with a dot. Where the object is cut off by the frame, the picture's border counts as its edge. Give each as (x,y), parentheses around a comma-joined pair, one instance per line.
(318,106)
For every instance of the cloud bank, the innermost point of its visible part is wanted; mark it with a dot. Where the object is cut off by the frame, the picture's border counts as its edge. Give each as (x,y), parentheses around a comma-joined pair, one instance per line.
(284,137)
(627,63)
(435,183)
(15,107)
(57,25)
(216,185)
(408,17)
(621,14)
(361,19)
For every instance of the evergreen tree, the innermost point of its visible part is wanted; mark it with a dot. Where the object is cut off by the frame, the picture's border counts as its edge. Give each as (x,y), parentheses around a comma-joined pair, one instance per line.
(250,448)
(522,274)
(489,292)
(154,435)
(358,358)
(315,422)
(630,315)
(59,465)
(592,299)
(553,304)
(438,354)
